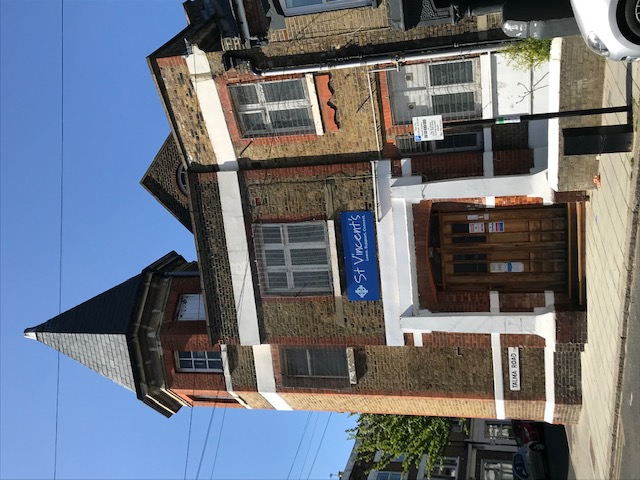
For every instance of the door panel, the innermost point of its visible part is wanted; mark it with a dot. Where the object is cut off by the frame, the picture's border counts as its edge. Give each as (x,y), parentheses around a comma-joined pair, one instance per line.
(510,249)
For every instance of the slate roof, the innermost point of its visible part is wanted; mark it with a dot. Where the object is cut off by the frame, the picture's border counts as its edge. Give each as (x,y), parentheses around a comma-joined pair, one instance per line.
(95,332)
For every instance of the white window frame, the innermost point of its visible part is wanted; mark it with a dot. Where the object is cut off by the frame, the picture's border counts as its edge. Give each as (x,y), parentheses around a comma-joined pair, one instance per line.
(387,475)
(431,91)
(490,464)
(263,107)
(499,425)
(191,307)
(451,463)
(289,268)
(322,6)
(208,356)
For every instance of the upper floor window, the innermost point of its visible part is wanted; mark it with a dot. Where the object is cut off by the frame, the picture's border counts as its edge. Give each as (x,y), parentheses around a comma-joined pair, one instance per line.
(450,89)
(271,108)
(191,307)
(293,258)
(315,367)
(496,470)
(199,361)
(447,468)
(302,7)
(498,430)
(390,476)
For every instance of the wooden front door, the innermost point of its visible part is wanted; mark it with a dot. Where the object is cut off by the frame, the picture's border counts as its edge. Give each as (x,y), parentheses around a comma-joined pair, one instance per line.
(520,249)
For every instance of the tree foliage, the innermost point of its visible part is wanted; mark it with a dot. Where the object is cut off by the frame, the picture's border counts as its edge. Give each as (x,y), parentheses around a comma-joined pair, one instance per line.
(396,435)
(528,53)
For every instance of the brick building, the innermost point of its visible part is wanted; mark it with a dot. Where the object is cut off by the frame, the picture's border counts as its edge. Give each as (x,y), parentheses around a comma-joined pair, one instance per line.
(342,265)
(485,451)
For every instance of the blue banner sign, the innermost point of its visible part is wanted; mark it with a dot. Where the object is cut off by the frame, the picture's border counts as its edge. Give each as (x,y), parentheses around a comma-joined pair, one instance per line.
(360,256)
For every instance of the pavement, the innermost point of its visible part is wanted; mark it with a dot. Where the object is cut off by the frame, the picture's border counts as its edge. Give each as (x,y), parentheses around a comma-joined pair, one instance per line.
(597,441)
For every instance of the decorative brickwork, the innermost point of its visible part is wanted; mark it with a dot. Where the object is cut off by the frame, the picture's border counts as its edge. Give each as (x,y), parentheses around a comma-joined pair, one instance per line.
(180,99)
(568,381)
(212,256)
(393,404)
(445,339)
(510,136)
(161,181)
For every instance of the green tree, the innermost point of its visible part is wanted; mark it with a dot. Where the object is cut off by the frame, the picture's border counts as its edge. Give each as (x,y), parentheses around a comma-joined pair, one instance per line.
(528,53)
(395,435)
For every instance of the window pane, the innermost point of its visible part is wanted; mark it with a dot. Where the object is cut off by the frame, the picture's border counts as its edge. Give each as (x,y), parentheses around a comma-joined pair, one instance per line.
(308,256)
(245,94)
(329,363)
(184,354)
(318,280)
(186,364)
(453,103)
(271,235)
(200,364)
(253,123)
(457,140)
(313,232)
(214,364)
(198,354)
(274,258)
(277,280)
(296,362)
(282,91)
(293,118)
(451,73)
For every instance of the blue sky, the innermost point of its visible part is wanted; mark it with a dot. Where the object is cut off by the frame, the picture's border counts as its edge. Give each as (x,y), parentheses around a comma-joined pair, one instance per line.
(113,126)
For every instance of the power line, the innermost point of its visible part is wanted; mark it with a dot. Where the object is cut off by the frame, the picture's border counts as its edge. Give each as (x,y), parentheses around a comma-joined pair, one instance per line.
(206,440)
(313,433)
(55,443)
(319,445)
(304,431)
(215,457)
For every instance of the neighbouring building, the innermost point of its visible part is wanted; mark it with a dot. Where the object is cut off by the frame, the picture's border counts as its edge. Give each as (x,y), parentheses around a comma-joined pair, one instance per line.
(485,452)
(342,265)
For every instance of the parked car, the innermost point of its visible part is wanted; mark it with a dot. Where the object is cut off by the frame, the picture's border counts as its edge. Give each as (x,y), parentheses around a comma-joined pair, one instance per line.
(525,431)
(610,27)
(529,462)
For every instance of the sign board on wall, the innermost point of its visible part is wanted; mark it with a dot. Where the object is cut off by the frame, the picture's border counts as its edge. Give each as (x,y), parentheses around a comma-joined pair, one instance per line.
(427,128)
(506,267)
(360,259)
(514,368)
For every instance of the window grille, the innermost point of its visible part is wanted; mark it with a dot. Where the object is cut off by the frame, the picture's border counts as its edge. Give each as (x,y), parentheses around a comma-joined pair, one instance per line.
(453,142)
(199,361)
(270,108)
(315,367)
(450,89)
(293,258)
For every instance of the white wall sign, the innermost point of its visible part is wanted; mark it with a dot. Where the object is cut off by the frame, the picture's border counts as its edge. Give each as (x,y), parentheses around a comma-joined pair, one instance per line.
(506,267)
(427,128)
(514,368)
(496,227)
(476,227)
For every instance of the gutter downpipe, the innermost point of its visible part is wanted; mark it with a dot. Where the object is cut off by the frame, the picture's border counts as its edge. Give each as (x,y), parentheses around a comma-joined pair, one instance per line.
(373,62)
(243,21)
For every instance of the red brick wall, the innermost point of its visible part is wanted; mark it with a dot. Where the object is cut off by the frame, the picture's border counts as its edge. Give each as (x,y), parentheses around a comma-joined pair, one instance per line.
(512,162)
(447,165)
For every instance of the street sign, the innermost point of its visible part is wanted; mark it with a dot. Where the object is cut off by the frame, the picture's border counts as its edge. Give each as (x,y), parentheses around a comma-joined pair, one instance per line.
(428,128)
